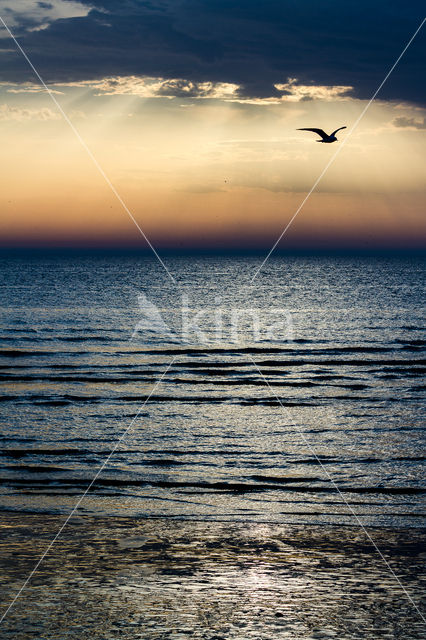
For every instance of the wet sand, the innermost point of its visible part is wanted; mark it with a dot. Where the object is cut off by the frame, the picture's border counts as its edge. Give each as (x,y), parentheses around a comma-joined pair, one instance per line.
(110,578)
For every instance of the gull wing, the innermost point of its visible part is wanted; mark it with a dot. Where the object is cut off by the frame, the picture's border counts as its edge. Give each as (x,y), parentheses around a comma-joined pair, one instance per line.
(334,132)
(320,132)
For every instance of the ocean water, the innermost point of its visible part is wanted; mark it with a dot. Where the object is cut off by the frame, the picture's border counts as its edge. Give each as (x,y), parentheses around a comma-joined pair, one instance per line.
(294,398)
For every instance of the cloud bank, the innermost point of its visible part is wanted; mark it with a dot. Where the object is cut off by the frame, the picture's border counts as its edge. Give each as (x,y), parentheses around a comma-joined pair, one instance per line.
(216,45)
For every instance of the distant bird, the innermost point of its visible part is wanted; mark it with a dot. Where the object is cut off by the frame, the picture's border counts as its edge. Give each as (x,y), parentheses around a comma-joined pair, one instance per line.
(325,137)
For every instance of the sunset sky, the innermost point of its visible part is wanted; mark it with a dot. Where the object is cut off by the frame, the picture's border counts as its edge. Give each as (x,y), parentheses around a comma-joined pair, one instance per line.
(191,108)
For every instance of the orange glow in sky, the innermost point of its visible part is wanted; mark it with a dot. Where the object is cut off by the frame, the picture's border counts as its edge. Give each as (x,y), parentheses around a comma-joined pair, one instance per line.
(207,172)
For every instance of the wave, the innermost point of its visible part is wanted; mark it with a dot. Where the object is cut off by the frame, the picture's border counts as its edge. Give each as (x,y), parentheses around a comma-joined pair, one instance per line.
(75,451)
(222,486)
(21,353)
(291,362)
(223,382)
(19,453)
(189,399)
(32,468)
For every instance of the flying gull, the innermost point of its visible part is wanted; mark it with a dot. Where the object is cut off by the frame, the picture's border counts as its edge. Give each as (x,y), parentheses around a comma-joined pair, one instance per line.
(325,137)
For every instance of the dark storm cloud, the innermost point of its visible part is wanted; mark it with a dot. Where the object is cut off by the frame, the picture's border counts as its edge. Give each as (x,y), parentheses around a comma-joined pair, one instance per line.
(253,44)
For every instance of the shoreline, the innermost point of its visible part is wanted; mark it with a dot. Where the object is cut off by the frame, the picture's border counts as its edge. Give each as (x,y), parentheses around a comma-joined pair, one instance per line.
(152,578)
(5,511)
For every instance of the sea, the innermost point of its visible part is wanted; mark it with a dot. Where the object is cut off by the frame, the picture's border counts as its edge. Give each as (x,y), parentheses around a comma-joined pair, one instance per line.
(212,391)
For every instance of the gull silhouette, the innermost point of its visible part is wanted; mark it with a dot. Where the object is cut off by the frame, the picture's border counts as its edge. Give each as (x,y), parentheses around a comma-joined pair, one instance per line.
(325,137)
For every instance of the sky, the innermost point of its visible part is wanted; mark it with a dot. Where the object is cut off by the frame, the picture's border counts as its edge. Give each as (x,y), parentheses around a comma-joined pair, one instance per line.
(191,110)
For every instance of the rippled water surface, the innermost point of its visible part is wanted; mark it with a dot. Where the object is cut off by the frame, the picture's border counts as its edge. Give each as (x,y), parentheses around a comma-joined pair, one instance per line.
(158,579)
(305,406)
